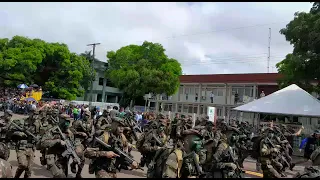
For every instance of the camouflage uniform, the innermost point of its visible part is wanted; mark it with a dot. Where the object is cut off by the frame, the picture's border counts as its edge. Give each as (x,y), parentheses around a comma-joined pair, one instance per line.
(49,121)
(266,159)
(5,166)
(179,164)
(81,130)
(103,121)
(25,144)
(54,145)
(150,145)
(102,166)
(173,129)
(4,126)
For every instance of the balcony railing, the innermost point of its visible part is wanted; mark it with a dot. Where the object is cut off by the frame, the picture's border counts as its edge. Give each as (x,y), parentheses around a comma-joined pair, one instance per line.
(204,99)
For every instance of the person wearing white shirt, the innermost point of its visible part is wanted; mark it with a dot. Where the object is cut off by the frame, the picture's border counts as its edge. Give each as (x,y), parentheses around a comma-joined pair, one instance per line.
(262,94)
(211,96)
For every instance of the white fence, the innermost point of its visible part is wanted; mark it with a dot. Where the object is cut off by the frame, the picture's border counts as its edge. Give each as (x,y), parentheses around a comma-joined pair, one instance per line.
(101,105)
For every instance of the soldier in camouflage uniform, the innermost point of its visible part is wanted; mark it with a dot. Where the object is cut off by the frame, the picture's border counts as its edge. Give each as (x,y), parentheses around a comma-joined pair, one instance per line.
(25,144)
(5,166)
(4,126)
(151,143)
(181,162)
(266,158)
(55,146)
(103,121)
(221,152)
(173,128)
(104,164)
(81,130)
(49,121)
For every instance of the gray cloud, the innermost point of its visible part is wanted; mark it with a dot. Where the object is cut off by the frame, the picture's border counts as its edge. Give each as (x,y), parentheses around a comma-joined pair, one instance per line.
(204,37)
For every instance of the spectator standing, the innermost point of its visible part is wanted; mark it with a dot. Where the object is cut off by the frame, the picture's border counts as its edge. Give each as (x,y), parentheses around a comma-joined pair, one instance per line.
(75,113)
(211,96)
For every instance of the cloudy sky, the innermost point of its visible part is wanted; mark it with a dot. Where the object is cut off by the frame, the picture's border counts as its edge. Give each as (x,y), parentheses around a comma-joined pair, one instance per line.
(206,38)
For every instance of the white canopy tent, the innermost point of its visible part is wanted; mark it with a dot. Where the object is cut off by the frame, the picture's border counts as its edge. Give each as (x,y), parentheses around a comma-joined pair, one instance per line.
(291,100)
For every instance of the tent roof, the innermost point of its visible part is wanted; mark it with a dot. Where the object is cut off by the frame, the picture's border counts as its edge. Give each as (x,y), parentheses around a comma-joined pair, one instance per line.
(291,100)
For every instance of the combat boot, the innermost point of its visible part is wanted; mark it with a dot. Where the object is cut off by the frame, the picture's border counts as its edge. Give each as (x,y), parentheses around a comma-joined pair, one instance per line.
(73,167)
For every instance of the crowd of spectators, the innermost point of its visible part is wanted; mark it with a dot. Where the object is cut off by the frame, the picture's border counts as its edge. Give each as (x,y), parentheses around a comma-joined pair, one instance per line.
(12,98)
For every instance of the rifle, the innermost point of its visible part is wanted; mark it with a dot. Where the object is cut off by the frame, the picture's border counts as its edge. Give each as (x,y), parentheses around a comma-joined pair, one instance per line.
(70,150)
(158,140)
(278,154)
(132,127)
(117,151)
(25,131)
(238,171)
(54,120)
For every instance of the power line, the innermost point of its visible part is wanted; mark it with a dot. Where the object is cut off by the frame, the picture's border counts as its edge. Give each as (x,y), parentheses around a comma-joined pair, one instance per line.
(214,31)
(263,55)
(218,61)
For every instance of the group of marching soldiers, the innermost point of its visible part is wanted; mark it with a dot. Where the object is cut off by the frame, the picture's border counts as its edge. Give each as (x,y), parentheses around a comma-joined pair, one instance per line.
(177,148)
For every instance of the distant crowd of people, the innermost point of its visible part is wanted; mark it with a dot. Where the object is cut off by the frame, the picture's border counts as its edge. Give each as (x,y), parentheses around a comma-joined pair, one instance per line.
(13,99)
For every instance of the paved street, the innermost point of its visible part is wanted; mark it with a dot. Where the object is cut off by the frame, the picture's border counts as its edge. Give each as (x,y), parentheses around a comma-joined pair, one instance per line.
(40,171)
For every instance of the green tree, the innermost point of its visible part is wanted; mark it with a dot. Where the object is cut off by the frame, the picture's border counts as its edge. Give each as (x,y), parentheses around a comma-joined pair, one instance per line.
(302,65)
(51,65)
(138,70)
(19,59)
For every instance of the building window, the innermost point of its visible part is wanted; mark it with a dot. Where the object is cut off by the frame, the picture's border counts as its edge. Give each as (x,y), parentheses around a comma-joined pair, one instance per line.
(248,91)
(195,109)
(186,90)
(203,109)
(180,108)
(99,98)
(110,84)
(181,90)
(219,92)
(190,109)
(185,108)
(219,112)
(100,81)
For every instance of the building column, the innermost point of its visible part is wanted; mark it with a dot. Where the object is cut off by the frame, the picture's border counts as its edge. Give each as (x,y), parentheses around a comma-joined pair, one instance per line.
(157,103)
(198,111)
(224,112)
(176,110)
(199,94)
(116,99)
(226,94)
(104,89)
(254,91)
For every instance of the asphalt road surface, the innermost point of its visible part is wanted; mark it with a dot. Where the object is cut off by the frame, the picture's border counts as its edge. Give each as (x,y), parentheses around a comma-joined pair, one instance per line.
(39,171)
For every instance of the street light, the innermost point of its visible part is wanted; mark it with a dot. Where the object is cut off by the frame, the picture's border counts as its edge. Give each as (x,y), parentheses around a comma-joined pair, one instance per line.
(92,66)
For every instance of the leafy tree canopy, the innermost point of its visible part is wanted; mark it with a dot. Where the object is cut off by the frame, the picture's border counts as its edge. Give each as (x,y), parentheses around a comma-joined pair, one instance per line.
(302,66)
(50,65)
(138,70)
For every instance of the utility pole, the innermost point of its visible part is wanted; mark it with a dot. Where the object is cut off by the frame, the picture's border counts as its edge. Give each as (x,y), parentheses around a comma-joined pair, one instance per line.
(92,66)
(269,49)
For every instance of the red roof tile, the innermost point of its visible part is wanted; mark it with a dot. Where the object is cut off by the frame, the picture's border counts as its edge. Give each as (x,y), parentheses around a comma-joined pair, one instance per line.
(231,78)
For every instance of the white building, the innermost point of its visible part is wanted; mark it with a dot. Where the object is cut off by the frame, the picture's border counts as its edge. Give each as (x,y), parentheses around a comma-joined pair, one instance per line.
(103,90)
(197,92)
